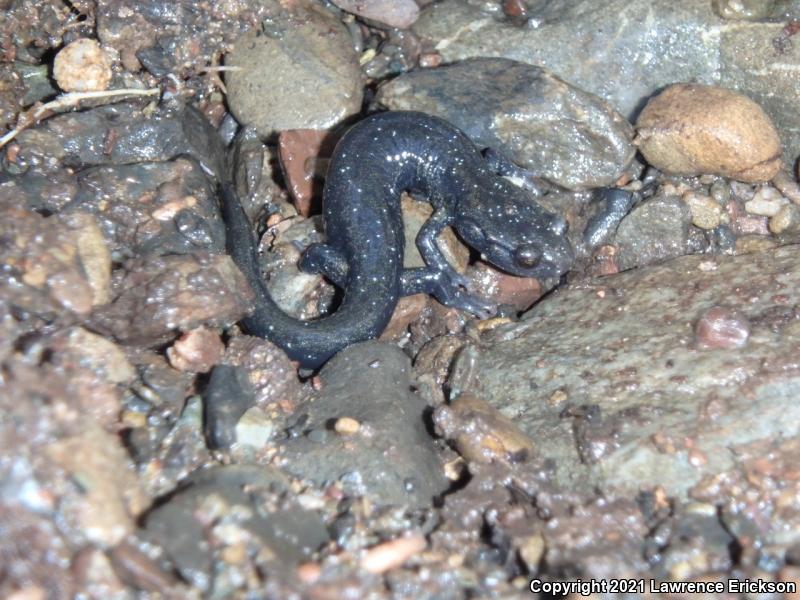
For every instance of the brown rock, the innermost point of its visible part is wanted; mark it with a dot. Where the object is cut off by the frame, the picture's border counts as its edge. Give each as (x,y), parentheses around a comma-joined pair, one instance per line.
(82,66)
(111,496)
(481,433)
(691,129)
(407,311)
(502,288)
(721,328)
(394,13)
(196,351)
(300,151)
(161,296)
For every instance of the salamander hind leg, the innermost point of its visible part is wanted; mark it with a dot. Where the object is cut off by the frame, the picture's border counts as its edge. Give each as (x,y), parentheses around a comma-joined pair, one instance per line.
(327,260)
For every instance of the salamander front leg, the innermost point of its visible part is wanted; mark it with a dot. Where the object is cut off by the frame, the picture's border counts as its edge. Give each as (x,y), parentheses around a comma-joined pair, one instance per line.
(327,260)
(439,278)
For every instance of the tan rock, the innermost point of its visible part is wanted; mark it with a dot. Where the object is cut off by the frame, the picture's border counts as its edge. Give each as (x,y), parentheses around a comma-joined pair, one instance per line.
(691,129)
(82,66)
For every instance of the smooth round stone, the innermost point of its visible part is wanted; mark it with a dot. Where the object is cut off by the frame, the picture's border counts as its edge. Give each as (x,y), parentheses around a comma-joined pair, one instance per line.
(300,73)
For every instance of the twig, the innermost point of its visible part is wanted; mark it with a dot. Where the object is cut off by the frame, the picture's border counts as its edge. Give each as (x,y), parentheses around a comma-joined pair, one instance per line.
(65,102)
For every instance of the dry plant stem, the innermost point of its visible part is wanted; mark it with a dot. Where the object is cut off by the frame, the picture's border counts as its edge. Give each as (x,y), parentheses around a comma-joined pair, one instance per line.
(65,102)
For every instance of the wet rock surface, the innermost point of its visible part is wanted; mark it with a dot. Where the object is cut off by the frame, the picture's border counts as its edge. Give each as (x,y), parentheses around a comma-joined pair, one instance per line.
(647,45)
(672,421)
(390,454)
(526,113)
(304,49)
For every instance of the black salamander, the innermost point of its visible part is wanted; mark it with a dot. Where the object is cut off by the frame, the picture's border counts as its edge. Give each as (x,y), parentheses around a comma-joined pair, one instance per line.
(374,162)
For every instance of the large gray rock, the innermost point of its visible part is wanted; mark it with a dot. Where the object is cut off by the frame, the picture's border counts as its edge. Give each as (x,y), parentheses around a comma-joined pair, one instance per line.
(391,457)
(611,381)
(556,130)
(625,50)
(299,72)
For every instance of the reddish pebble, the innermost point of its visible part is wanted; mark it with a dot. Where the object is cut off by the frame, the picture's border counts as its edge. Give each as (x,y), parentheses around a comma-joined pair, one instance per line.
(298,150)
(196,351)
(408,310)
(499,287)
(721,328)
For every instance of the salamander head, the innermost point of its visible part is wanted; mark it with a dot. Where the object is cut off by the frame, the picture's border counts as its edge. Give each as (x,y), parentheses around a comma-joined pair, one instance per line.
(513,232)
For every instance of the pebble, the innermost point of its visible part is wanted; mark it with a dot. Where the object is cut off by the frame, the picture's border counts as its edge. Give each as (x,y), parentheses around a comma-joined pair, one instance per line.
(743,10)
(227,397)
(407,311)
(303,75)
(101,355)
(766,202)
(706,212)
(653,231)
(394,13)
(82,66)
(346,426)
(111,496)
(392,554)
(196,351)
(753,244)
(300,151)
(481,433)
(787,219)
(502,288)
(254,428)
(398,463)
(722,328)
(787,186)
(692,129)
(159,295)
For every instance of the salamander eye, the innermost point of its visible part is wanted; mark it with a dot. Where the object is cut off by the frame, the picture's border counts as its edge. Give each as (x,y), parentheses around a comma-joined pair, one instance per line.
(527,255)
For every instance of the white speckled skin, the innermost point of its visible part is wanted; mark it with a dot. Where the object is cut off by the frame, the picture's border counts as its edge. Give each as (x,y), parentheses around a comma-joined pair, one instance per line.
(376,160)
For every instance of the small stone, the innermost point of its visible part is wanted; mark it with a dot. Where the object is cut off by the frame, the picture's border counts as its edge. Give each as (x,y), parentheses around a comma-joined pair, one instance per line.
(766,202)
(691,129)
(415,214)
(254,428)
(82,66)
(787,186)
(394,13)
(346,426)
(721,328)
(787,219)
(101,354)
(481,433)
(502,288)
(298,151)
(531,551)
(706,213)
(752,244)
(196,351)
(408,310)
(110,496)
(392,554)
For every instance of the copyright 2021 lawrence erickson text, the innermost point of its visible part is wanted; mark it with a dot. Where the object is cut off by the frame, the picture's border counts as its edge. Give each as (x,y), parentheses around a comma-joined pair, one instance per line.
(587,587)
